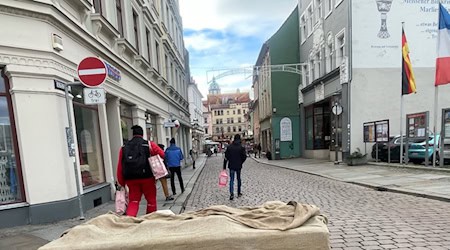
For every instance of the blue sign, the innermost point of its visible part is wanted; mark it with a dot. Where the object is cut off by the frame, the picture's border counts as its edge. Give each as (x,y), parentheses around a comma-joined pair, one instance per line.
(113,73)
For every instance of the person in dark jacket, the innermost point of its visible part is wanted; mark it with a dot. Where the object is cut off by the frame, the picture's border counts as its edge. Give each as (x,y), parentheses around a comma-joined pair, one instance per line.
(174,156)
(235,156)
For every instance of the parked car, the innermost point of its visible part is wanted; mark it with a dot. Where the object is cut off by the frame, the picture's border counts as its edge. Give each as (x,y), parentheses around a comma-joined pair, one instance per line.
(383,149)
(417,151)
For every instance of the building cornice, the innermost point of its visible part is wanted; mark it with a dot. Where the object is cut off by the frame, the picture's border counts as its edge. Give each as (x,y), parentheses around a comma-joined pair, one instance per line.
(54,16)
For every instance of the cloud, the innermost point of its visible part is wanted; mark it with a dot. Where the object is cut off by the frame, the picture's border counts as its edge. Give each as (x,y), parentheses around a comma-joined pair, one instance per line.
(228,34)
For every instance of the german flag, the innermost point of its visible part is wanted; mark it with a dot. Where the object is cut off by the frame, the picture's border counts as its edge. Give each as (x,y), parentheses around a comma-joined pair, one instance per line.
(408,81)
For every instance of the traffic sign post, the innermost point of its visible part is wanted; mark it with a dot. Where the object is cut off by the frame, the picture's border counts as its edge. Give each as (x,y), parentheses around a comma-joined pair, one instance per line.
(71,145)
(92,72)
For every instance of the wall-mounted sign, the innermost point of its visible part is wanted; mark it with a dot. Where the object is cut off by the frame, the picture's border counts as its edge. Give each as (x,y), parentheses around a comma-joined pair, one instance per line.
(369,132)
(93,96)
(319,92)
(113,72)
(417,124)
(382,131)
(60,85)
(286,129)
(446,123)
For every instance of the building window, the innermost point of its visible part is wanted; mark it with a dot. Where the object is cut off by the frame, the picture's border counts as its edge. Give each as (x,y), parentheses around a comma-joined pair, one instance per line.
(305,75)
(136,30)
(232,120)
(158,63)
(149,45)
(89,140)
(228,120)
(329,57)
(317,65)
(229,129)
(206,130)
(310,17)
(303,32)
(239,111)
(11,190)
(311,70)
(206,120)
(340,47)
(228,112)
(119,17)
(217,130)
(234,129)
(234,112)
(318,10)
(217,121)
(98,7)
(239,120)
(328,7)
(240,129)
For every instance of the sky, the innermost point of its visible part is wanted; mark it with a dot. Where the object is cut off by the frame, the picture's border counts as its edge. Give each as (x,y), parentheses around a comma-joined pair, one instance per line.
(223,35)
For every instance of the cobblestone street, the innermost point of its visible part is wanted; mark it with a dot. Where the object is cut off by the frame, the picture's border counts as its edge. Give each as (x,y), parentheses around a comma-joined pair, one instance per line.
(359,217)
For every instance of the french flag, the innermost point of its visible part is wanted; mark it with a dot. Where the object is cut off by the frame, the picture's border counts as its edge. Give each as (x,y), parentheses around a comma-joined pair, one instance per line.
(443,48)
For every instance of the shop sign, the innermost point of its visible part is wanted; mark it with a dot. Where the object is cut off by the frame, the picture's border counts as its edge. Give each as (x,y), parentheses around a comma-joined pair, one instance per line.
(169,124)
(319,92)
(417,124)
(286,129)
(113,72)
(93,96)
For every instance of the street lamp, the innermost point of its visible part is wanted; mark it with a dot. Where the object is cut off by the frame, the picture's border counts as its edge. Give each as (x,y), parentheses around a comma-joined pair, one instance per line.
(337,110)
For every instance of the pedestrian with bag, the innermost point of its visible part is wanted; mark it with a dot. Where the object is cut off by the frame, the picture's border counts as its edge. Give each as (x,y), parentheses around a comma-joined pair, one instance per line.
(163,180)
(134,171)
(174,156)
(235,156)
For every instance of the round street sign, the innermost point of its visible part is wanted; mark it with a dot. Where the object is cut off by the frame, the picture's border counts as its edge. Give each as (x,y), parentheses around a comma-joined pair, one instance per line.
(92,71)
(337,109)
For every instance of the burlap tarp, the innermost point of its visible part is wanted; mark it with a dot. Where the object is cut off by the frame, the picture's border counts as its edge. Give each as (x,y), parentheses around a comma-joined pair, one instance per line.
(273,225)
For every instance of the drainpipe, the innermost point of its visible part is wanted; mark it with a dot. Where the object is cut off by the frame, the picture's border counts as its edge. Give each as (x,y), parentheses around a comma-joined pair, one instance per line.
(350,70)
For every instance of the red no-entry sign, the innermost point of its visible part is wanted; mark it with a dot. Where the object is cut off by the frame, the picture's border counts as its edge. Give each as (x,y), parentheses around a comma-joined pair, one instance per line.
(92,71)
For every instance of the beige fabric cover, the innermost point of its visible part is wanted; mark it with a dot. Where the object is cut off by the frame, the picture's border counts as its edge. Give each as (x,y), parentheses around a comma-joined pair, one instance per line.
(274,225)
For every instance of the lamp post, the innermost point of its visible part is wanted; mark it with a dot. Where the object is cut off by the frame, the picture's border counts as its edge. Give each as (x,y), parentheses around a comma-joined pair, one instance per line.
(337,110)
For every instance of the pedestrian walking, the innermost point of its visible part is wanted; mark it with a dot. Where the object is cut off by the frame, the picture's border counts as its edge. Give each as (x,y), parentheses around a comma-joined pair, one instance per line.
(193,154)
(258,148)
(133,170)
(174,156)
(164,180)
(235,156)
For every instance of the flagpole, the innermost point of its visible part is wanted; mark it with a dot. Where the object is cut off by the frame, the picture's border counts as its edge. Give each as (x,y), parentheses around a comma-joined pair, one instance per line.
(401,109)
(401,130)
(436,96)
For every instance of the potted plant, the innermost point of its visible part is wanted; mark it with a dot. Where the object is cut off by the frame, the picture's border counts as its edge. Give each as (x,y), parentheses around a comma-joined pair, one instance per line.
(357,158)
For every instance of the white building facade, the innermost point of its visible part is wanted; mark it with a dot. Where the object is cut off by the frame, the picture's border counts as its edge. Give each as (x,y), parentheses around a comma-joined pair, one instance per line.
(196,112)
(352,55)
(141,43)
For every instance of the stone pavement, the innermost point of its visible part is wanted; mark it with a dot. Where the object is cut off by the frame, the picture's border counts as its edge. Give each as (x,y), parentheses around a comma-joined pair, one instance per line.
(359,217)
(33,236)
(409,179)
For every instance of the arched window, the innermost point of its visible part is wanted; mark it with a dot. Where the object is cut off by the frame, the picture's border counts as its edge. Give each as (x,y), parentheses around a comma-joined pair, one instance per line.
(11,188)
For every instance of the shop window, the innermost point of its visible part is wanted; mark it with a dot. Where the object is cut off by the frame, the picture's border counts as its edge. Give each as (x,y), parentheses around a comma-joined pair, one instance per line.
(152,134)
(10,175)
(318,126)
(89,140)
(126,119)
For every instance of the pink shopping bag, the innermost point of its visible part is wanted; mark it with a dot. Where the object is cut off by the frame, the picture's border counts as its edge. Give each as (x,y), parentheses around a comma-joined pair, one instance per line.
(158,168)
(121,201)
(223,178)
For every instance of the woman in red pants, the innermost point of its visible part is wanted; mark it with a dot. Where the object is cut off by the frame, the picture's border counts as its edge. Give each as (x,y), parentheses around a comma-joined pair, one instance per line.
(134,171)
